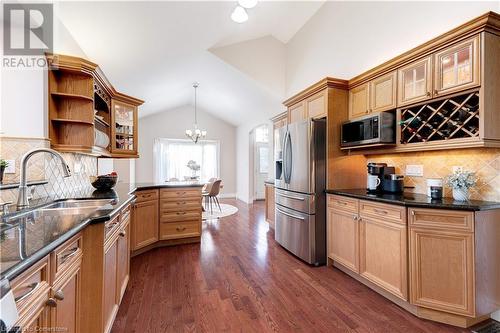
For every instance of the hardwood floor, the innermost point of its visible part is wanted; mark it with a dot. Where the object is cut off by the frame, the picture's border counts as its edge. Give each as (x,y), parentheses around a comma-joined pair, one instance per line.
(240,280)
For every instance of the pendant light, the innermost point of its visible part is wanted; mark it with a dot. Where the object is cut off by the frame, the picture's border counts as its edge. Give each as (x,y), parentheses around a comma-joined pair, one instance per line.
(239,15)
(195,134)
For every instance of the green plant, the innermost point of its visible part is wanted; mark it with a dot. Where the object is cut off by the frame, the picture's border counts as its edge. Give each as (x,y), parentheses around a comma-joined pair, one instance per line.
(461,179)
(3,163)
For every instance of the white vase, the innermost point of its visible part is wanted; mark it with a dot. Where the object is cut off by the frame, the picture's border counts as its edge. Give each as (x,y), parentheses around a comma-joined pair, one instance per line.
(460,194)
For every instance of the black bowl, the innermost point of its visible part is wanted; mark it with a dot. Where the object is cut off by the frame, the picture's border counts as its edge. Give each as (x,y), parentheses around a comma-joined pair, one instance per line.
(104,183)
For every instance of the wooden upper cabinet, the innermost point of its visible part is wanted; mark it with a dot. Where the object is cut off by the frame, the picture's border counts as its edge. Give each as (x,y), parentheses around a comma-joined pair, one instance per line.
(316,105)
(358,101)
(297,112)
(415,82)
(123,128)
(382,92)
(457,67)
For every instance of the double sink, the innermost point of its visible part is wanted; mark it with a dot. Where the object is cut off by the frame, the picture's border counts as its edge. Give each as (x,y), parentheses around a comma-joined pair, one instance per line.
(58,208)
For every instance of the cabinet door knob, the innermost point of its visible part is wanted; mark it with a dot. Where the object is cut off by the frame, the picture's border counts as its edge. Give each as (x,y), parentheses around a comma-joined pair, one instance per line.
(59,295)
(51,302)
(428,94)
(367,111)
(355,217)
(180,228)
(123,233)
(436,92)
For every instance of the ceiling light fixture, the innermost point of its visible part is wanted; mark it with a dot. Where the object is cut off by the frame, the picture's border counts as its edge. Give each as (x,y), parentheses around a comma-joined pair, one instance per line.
(247,3)
(239,15)
(195,134)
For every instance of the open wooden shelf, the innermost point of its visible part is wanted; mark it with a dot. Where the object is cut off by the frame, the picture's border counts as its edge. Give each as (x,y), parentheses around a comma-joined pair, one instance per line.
(72,121)
(70,95)
(100,121)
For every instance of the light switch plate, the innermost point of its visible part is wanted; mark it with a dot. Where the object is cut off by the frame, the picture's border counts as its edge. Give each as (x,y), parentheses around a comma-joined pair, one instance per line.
(415,170)
(11,168)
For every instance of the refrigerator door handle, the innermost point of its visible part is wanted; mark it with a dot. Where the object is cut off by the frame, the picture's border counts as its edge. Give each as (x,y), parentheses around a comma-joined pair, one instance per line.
(290,215)
(288,158)
(291,197)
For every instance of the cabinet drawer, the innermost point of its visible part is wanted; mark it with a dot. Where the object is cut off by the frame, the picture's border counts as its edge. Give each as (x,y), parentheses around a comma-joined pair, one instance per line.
(441,219)
(180,205)
(146,195)
(343,203)
(30,286)
(382,211)
(181,215)
(180,230)
(67,254)
(175,194)
(125,213)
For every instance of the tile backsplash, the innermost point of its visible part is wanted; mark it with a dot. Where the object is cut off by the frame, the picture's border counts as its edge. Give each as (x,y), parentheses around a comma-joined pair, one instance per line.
(46,167)
(439,164)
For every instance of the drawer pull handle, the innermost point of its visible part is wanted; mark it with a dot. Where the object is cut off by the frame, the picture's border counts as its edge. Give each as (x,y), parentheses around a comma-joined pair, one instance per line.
(413,213)
(123,233)
(181,213)
(68,254)
(32,288)
(181,193)
(355,217)
(181,203)
(342,203)
(380,211)
(146,195)
(291,197)
(59,295)
(51,302)
(180,228)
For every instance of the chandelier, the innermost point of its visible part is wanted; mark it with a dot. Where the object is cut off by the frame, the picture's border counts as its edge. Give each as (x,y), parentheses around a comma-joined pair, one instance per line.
(195,134)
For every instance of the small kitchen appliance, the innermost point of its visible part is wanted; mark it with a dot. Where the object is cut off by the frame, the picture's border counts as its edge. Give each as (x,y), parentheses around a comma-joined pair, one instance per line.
(393,183)
(379,170)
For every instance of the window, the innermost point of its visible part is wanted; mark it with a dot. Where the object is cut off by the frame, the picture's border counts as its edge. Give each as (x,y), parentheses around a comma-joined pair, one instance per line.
(172,156)
(262,134)
(263,159)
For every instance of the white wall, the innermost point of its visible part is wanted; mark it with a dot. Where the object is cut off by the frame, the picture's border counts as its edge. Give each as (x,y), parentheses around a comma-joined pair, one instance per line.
(262,59)
(171,124)
(344,38)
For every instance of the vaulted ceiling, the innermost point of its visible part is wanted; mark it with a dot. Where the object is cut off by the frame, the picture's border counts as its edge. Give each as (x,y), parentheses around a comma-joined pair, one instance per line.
(156,50)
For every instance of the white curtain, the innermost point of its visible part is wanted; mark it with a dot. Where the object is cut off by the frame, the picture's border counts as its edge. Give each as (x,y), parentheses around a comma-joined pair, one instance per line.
(171,157)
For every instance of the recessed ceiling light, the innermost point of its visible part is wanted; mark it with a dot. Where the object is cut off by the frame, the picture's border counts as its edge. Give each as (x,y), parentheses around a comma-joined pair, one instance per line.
(247,3)
(239,15)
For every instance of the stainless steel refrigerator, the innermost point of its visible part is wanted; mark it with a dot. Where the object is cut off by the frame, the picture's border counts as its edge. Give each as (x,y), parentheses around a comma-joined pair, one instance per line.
(300,162)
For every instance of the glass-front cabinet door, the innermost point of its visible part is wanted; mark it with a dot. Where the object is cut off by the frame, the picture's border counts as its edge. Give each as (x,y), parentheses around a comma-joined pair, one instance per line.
(457,67)
(415,82)
(124,129)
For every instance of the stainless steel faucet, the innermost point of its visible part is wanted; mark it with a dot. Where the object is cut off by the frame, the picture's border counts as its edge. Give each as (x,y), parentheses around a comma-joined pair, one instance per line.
(22,199)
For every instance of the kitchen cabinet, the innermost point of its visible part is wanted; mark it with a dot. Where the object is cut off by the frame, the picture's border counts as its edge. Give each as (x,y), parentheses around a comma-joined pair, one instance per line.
(180,214)
(382,92)
(86,114)
(297,112)
(65,302)
(383,247)
(316,105)
(123,128)
(48,294)
(442,260)
(370,239)
(110,282)
(457,67)
(359,101)
(123,261)
(270,202)
(415,82)
(145,219)
(343,234)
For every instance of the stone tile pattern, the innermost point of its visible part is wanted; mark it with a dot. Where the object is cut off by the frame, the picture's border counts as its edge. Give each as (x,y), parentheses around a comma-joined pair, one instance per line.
(46,167)
(439,164)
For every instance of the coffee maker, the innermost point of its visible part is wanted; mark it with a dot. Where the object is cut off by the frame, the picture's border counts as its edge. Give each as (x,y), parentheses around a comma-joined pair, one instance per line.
(381,170)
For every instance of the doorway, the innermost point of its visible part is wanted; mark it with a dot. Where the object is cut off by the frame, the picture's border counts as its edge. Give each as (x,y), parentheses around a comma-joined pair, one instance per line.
(259,161)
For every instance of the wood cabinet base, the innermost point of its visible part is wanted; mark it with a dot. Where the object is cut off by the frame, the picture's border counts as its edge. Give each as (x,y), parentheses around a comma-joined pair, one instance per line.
(168,242)
(424,313)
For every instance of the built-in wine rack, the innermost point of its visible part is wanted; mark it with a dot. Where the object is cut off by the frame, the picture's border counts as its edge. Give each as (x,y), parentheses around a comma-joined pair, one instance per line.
(452,118)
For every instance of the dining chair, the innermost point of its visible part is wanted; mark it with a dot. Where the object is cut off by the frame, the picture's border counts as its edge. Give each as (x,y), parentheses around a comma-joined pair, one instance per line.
(211,193)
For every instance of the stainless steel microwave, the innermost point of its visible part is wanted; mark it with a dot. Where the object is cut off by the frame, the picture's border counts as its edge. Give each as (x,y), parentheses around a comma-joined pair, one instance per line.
(372,129)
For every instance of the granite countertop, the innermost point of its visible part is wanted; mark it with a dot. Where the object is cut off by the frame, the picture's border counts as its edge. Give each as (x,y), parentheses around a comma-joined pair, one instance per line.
(417,200)
(28,238)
